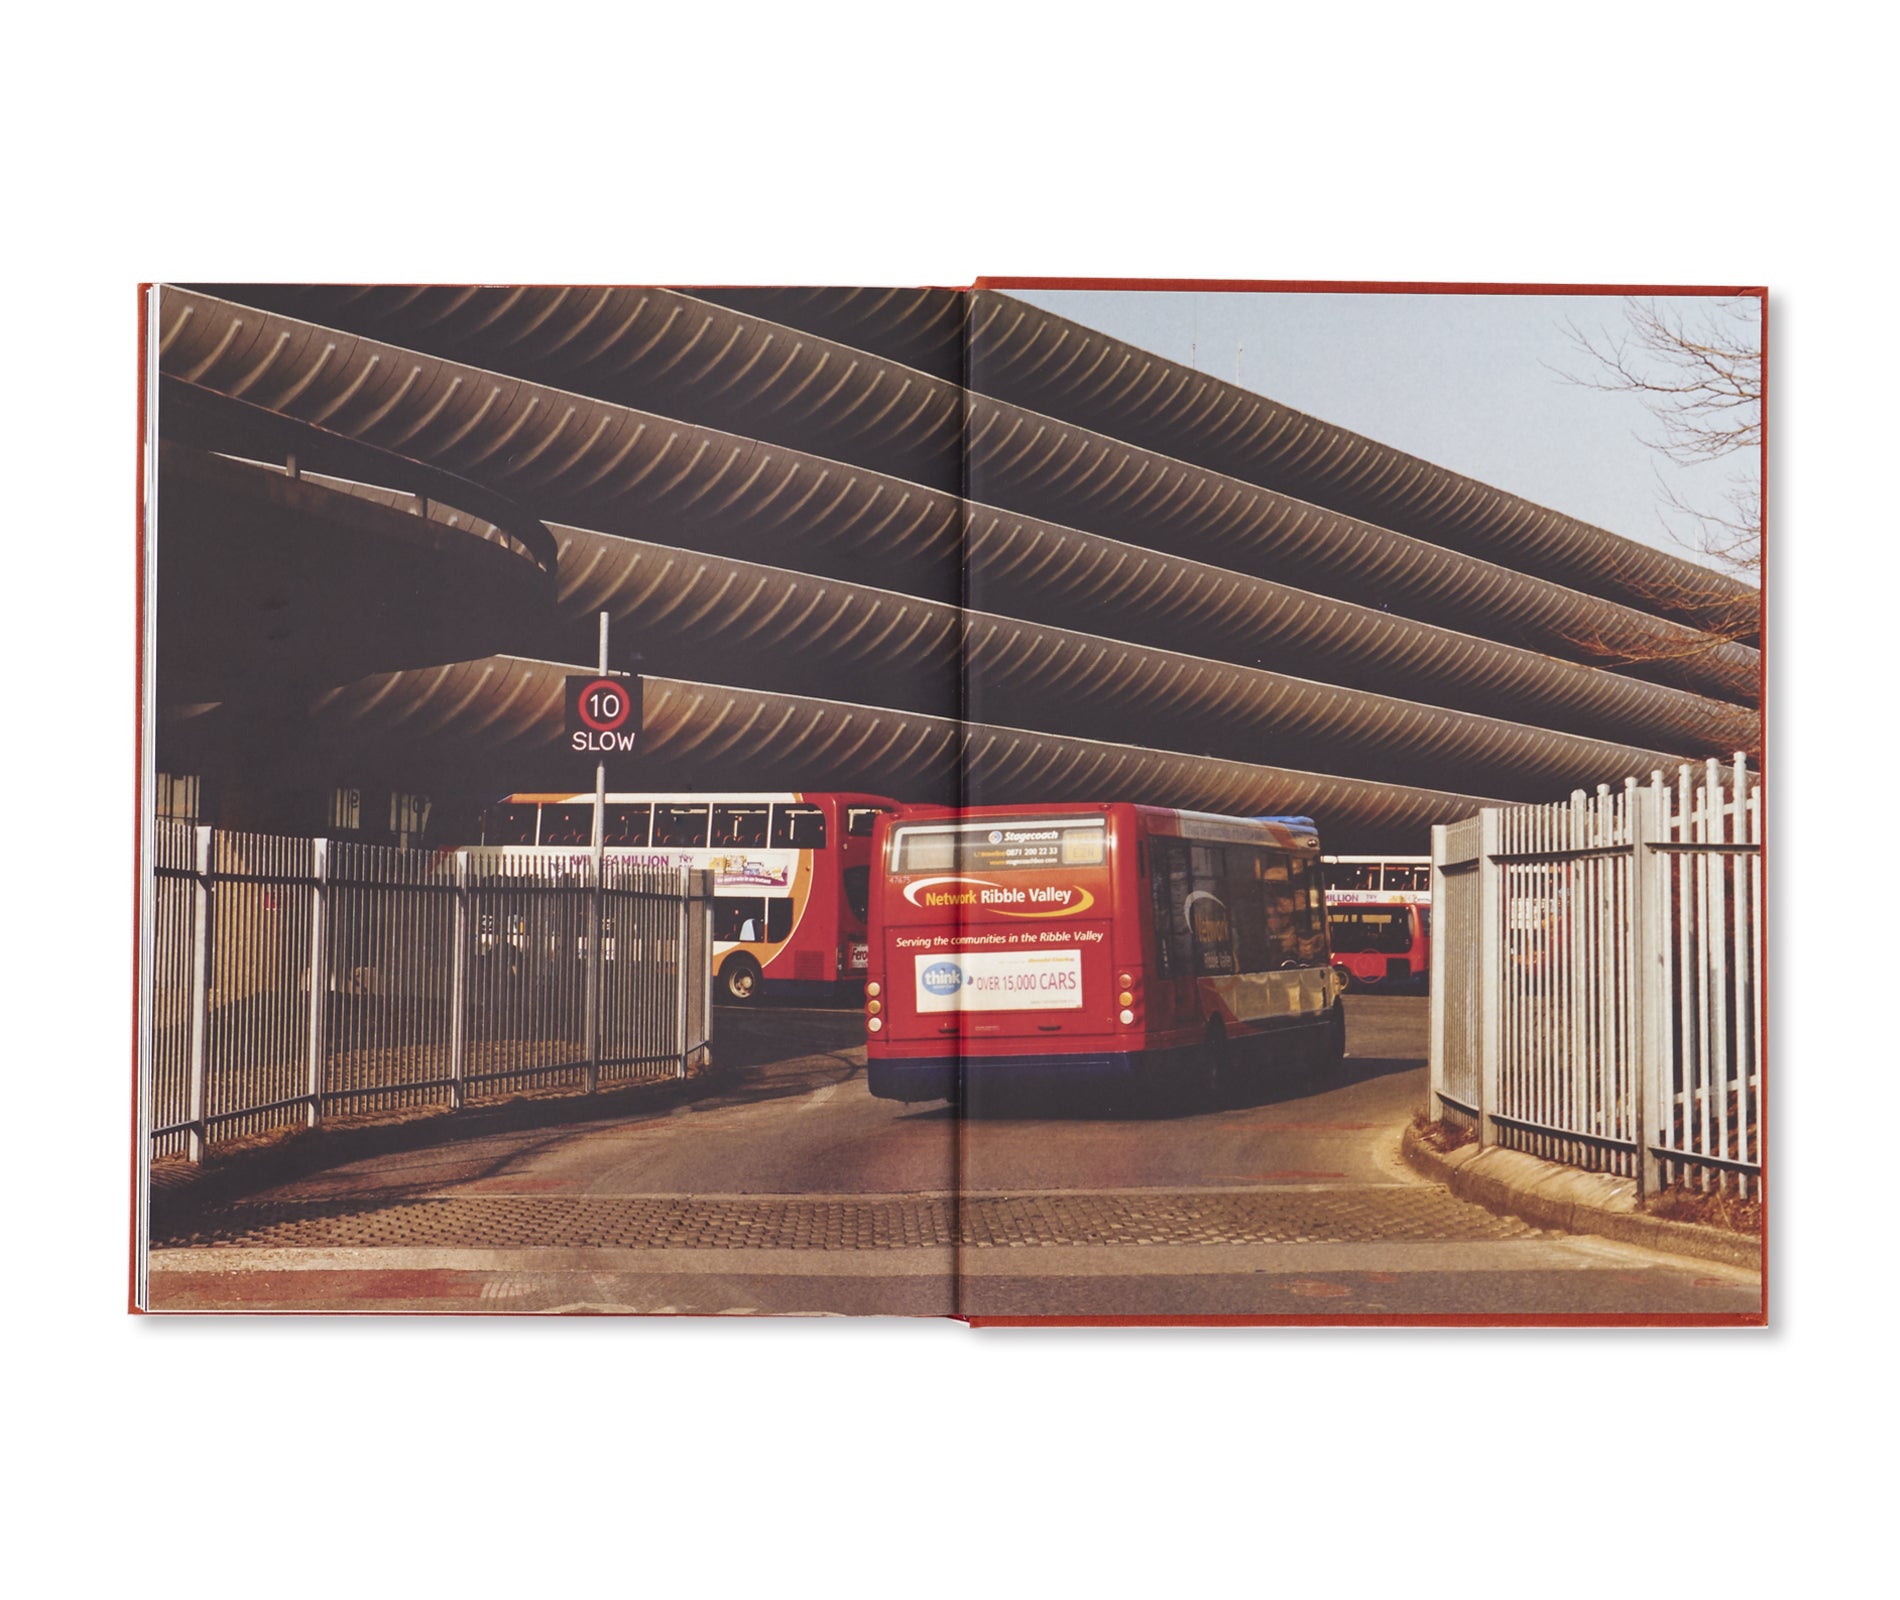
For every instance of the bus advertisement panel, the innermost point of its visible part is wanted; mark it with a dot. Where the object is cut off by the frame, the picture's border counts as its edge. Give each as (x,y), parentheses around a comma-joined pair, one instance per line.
(1154,947)
(791,873)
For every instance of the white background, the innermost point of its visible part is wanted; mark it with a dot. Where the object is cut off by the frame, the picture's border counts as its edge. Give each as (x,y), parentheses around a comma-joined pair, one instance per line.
(1732,144)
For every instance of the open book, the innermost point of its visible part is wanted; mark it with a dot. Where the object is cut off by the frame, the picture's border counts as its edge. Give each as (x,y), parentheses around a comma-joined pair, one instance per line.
(1032,802)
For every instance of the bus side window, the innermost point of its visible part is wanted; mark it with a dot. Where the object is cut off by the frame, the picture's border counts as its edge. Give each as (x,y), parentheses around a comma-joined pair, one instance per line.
(738,917)
(1309,915)
(1355,877)
(629,826)
(1209,919)
(571,824)
(1287,908)
(1248,895)
(798,828)
(1174,940)
(778,921)
(682,827)
(740,826)
(510,825)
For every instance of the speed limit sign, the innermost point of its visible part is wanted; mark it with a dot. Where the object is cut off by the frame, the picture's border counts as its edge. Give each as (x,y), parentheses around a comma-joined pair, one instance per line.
(603,715)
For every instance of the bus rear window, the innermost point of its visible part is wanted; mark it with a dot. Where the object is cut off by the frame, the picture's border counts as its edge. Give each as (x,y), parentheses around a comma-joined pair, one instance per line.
(1358,931)
(1002,845)
(860,820)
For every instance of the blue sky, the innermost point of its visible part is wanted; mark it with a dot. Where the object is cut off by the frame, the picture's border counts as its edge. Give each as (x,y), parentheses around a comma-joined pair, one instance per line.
(1462,380)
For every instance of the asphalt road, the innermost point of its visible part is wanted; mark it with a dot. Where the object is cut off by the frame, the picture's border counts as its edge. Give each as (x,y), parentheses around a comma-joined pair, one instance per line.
(791,1190)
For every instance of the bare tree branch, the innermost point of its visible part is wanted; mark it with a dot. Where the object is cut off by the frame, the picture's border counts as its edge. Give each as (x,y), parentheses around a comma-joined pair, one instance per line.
(1698,373)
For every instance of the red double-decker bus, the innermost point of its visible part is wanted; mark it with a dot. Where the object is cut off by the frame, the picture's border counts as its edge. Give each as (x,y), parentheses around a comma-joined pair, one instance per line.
(791,872)
(1158,949)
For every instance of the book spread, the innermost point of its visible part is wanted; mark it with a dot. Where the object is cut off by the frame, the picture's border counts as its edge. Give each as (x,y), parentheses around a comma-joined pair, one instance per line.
(1049,802)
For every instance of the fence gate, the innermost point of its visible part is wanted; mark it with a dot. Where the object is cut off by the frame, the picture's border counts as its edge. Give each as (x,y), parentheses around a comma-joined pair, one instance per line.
(1597,978)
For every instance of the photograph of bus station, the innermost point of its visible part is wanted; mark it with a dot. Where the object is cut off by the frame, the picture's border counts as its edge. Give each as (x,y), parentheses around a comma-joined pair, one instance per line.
(1093,839)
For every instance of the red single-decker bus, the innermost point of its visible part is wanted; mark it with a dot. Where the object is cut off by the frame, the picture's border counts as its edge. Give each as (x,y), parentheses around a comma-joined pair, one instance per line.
(1382,945)
(1149,947)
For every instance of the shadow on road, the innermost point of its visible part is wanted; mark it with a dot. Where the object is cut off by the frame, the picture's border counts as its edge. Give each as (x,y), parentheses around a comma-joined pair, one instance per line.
(1106,1103)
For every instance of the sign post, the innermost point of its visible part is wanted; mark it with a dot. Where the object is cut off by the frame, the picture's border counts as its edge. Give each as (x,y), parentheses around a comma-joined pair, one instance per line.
(603,718)
(595,974)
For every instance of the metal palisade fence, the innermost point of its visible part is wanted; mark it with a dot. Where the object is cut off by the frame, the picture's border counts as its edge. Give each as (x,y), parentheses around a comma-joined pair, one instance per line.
(442,978)
(1597,978)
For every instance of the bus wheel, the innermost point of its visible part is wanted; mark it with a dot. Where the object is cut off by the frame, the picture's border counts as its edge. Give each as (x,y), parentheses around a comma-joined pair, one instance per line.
(739,979)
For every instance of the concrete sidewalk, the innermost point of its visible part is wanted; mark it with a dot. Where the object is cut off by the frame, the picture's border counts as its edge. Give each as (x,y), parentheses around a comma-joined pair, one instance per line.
(1551,1196)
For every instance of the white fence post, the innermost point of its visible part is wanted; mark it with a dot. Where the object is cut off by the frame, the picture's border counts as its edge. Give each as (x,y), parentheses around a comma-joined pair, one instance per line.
(1649,1032)
(596,975)
(319,982)
(1491,937)
(682,1010)
(708,892)
(458,983)
(200,994)
(1435,1079)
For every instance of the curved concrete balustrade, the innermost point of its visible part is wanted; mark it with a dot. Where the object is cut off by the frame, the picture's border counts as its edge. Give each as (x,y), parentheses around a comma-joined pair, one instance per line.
(1043,363)
(628,471)
(1055,470)
(618,343)
(1036,570)
(713,735)
(906,653)
(921,328)
(667,353)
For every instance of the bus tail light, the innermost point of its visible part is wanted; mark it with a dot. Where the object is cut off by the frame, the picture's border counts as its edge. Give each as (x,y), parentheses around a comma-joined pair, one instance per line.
(873,1005)
(1128,997)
